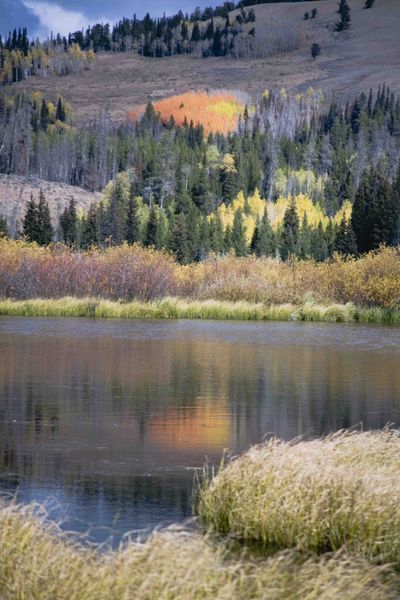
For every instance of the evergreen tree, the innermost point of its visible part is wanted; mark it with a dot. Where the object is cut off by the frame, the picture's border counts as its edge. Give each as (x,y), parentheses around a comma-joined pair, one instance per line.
(304,246)
(375,211)
(44,115)
(3,227)
(151,237)
(217,242)
(345,240)
(132,229)
(239,243)
(90,228)
(60,112)
(315,50)
(263,241)
(179,240)
(69,224)
(196,35)
(117,213)
(44,221)
(319,247)
(228,239)
(361,216)
(31,222)
(344,12)
(290,232)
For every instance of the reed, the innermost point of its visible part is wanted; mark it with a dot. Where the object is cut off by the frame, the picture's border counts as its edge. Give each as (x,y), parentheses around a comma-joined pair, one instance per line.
(39,562)
(342,491)
(180,308)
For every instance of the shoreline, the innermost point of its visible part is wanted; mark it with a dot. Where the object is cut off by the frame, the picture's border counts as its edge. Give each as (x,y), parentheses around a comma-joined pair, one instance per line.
(180,308)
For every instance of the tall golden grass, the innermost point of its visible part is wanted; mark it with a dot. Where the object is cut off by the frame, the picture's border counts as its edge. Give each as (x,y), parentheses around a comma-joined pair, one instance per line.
(296,501)
(365,289)
(320,496)
(38,562)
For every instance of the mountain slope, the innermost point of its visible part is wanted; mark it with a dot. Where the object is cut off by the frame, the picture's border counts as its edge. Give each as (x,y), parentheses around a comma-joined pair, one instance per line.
(350,62)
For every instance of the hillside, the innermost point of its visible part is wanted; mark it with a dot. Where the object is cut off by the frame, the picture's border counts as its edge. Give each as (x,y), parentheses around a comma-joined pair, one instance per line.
(350,62)
(16,191)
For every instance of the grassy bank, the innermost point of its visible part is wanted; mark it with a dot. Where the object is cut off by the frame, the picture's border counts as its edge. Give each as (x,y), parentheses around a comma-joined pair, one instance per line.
(176,308)
(318,496)
(298,501)
(38,563)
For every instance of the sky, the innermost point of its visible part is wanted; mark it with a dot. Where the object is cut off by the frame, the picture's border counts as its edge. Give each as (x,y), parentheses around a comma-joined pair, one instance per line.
(64,16)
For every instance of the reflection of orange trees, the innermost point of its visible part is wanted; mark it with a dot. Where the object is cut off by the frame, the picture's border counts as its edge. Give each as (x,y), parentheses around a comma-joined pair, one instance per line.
(206,426)
(216,112)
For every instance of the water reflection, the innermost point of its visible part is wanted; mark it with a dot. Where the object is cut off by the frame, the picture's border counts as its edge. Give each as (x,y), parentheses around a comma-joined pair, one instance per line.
(109,418)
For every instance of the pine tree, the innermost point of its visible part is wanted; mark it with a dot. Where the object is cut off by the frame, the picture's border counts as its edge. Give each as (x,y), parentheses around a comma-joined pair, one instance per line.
(228,239)
(132,229)
(239,243)
(3,227)
(345,240)
(290,232)
(179,240)
(217,242)
(44,221)
(361,216)
(69,224)
(319,247)
(151,236)
(315,50)
(263,241)
(196,35)
(90,228)
(31,222)
(344,12)
(304,246)
(60,112)
(44,115)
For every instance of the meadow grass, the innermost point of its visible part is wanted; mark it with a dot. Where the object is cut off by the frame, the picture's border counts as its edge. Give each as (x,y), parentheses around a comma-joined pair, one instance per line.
(342,491)
(179,308)
(39,562)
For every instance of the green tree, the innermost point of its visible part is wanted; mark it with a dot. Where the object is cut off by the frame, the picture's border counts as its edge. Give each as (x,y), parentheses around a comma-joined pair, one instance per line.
(239,243)
(69,224)
(31,222)
(3,227)
(315,50)
(151,237)
(344,12)
(44,221)
(319,247)
(179,244)
(132,230)
(90,228)
(345,240)
(290,232)
(263,242)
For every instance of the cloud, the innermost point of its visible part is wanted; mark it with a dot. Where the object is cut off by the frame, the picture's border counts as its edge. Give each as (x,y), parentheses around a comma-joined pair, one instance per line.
(55,18)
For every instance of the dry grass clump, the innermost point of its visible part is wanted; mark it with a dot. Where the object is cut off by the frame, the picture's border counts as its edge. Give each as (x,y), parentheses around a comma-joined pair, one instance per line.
(319,496)
(38,562)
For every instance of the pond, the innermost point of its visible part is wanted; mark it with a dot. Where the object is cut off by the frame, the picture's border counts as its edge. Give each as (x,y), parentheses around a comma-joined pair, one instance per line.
(107,421)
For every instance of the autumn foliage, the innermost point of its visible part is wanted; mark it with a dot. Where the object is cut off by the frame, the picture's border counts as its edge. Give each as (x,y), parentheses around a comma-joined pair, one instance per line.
(217,112)
(136,273)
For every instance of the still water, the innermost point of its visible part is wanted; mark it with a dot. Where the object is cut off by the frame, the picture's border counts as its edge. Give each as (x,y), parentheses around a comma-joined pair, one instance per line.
(106,421)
